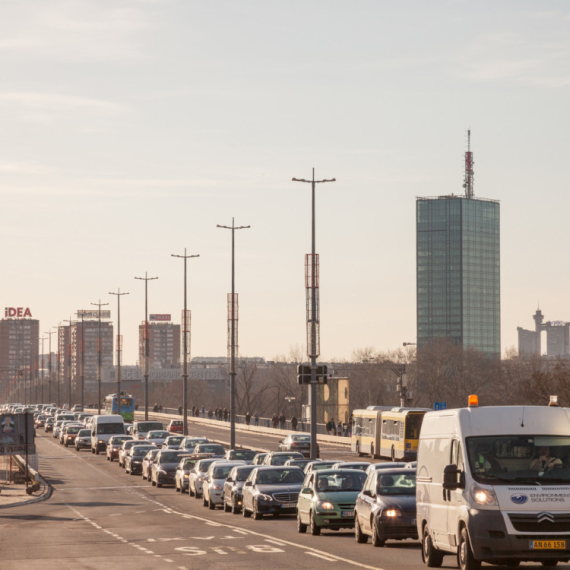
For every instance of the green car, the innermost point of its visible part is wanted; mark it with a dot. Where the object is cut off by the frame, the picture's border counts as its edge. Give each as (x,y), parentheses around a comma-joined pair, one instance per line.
(327,499)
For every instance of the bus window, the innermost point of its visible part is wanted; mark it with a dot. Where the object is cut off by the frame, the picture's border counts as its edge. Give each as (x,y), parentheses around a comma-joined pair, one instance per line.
(413,425)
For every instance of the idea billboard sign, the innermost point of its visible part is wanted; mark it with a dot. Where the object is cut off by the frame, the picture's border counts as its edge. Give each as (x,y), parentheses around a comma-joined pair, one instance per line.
(18,312)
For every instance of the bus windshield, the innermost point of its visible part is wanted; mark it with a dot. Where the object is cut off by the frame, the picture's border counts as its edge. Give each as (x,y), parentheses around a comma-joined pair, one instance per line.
(413,425)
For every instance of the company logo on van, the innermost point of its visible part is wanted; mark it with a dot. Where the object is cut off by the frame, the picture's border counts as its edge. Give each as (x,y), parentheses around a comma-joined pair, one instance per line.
(519,499)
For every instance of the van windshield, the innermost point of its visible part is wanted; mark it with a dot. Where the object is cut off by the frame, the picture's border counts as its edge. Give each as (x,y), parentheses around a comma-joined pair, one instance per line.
(110,428)
(529,459)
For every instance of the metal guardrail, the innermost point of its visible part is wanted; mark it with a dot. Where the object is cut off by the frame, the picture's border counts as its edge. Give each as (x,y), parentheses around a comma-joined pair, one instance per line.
(263,422)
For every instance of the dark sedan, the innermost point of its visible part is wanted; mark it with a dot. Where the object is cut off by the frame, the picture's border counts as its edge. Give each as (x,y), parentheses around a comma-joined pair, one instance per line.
(386,507)
(163,469)
(272,490)
(300,442)
(233,488)
(134,458)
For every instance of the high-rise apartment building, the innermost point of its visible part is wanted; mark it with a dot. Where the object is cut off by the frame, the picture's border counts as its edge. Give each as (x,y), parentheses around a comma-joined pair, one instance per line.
(458,269)
(163,346)
(18,349)
(87,333)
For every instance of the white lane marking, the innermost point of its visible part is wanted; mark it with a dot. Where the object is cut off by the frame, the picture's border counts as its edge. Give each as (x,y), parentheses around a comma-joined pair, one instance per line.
(102,489)
(321,556)
(275,542)
(241,531)
(168,560)
(219,550)
(236,549)
(209,523)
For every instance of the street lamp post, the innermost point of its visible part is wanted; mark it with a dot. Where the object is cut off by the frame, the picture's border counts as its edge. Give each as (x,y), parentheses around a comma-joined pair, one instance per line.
(146,279)
(71,322)
(43,377)
(313,348)
(185,331)
(99,356)
(232,331)
(119,348)
(82,359)
(49,365)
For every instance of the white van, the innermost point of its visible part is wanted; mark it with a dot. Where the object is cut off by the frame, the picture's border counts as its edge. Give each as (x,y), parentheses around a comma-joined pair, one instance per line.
(141,428)
(493,485)
(103,428)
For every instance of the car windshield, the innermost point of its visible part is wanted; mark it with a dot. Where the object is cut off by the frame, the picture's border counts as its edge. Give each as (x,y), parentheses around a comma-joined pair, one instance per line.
(73,429)
(84,433)
(304,438)
(169,457)
(206,448)
(396,484)
(281,459)
(129,443)
(245,455)
(110,428)
(157,435)
(221,472)
(116,440)
(149,426)
(173,440)
(340,481)
(359,466)
(322,465)
(203,465)
(529,459)
(279,476)
(151,454)
(189,463)
(139,451)
(243,473)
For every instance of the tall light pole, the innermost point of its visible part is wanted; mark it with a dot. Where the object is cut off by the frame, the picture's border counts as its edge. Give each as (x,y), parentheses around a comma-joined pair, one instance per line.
(49,365)
(119,347)
(313,338)
(146,279)
(43,377)
(232,334)
(58,365)
(185,331)
(71,322)
(82,358)
(99,356)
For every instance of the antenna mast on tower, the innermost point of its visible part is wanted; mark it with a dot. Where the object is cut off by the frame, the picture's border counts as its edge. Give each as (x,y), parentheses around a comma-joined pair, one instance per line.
(468,181)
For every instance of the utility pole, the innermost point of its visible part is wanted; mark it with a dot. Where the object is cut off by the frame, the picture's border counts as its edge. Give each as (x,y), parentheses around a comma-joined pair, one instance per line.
(185,351)
(49,365)
(43,377)
(146,279)
(119,347)
(99,356)
(232,336)
(58,366)
(69,356)
(82,359)
(313,321)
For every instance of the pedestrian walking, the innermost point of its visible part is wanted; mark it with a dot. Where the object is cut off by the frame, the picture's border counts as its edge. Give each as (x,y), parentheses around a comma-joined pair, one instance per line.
(275,421)
(282,421)
(256,418)
(179,410)
(294,423)
(247,418)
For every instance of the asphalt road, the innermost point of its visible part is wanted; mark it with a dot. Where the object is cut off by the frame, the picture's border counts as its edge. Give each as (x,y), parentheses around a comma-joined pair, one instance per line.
(100,518)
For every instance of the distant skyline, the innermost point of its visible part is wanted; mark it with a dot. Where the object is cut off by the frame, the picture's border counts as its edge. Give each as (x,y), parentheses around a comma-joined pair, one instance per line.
(132,128)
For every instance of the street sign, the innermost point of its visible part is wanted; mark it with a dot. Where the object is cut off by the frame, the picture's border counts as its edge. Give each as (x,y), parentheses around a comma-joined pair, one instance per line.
(440,406)
(304,374)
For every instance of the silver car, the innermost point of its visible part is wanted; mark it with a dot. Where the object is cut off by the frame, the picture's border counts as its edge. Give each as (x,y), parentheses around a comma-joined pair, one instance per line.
(157,437)
(83,439)
(197,477)
(213,488)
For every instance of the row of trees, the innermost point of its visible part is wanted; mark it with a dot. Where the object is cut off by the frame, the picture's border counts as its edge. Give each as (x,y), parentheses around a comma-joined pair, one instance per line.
(442,372)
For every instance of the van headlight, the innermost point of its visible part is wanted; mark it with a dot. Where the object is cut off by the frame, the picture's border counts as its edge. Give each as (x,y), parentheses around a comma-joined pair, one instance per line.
(483,496)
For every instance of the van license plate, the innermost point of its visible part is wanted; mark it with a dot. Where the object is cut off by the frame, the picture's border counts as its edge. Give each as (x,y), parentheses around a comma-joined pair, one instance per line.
(548,545)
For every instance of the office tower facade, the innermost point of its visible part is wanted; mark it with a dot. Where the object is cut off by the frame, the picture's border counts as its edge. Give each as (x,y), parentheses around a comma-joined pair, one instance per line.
(458,272)
(88,334)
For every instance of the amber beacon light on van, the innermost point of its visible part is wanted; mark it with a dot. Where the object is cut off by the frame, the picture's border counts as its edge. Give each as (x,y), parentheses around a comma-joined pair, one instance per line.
(473,401)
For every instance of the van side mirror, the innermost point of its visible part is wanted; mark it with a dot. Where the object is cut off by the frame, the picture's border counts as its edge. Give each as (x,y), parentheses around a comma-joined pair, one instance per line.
(453,478)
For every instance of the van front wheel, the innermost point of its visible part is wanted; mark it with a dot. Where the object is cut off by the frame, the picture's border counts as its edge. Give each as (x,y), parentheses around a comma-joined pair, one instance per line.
(465,558)
(430,555)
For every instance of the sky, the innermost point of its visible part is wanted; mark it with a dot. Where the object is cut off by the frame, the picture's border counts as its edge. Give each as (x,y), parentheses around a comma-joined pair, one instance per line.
(131,128)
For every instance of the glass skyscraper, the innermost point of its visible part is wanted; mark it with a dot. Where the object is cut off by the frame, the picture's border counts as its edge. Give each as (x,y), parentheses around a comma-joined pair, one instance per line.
(458,272)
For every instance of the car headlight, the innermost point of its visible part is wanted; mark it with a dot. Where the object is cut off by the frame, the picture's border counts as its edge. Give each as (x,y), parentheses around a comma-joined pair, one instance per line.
(391,513)
(101,441)
(484,497)
(186,475)
(325,506)
(265,497)
(217,487)
(200,478)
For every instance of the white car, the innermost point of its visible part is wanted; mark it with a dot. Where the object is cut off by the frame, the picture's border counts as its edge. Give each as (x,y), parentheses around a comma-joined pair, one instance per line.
(197,477)
(213,487)
(157,437)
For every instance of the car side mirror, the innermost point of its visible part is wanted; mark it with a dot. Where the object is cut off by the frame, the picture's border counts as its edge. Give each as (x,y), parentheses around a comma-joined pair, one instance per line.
(307,491)
(453,478)
(367,493)
(248,484)
(229,480)
(93,434)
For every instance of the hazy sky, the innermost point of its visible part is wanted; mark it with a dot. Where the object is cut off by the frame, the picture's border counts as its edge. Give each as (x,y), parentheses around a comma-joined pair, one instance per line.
(131,128)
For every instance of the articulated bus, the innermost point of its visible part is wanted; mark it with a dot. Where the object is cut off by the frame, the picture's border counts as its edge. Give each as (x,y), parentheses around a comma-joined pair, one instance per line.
(127,406)
(384,431)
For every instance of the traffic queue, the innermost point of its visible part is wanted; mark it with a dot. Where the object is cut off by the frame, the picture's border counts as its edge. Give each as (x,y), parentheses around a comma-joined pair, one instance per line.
(373,499)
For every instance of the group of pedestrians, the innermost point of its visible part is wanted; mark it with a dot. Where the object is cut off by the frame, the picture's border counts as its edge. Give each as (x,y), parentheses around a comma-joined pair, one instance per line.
(340,429)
